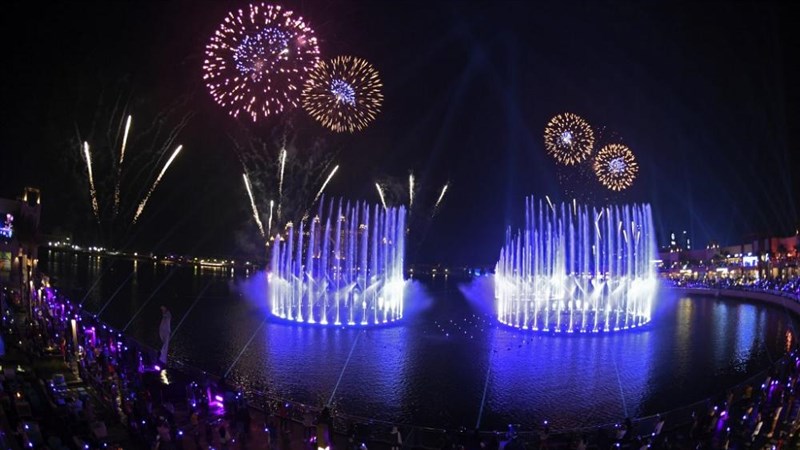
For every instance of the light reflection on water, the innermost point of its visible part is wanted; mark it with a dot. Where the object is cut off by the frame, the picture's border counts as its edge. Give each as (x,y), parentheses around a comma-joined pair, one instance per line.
(432,370)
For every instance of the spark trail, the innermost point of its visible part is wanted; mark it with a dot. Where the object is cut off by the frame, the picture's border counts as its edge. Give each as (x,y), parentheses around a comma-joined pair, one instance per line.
(441,196)
(119,166)
(269,226)
(322,189)
(410,190)
(280,180)
(253,204)
(92,190)
(550,203)
(380,193)
(155,183)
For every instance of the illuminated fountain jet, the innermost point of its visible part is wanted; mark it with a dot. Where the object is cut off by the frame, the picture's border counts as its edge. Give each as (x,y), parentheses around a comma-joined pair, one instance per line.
(344,267)
(578,269)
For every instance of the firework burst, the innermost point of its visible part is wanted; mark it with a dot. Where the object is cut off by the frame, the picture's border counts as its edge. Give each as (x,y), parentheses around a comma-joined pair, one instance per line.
(568,138)
(257,60)
(343,94)
(615,167)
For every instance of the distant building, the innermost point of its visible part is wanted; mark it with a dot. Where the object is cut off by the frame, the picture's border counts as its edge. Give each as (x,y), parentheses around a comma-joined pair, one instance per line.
(19,230)
(678,243)
(771,257)
(672,245)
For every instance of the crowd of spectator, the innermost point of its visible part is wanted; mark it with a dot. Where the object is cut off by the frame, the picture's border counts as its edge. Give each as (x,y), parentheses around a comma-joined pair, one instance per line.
(91,379)
(787,287)
(105,380)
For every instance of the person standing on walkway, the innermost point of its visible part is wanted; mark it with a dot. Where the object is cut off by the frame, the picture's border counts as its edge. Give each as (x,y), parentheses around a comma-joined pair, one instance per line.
(324,422)
(224,436)
(659,426)
(194,421)
(308,424)
(286,438)
(397,439)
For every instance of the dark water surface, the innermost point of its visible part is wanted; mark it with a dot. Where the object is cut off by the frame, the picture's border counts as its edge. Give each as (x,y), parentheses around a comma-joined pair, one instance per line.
(448,364)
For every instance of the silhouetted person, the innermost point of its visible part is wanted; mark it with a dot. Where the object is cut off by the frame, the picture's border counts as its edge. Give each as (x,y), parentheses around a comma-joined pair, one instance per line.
(323,428)
(396,439)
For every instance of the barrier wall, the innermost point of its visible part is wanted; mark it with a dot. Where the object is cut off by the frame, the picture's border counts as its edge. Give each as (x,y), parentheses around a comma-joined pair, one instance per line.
(780,299)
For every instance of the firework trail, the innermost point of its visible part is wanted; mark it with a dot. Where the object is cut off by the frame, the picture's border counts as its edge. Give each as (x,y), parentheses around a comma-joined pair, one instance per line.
(125,161)
(410,190)
(282,172)
(441,196)
(155,183)
(547,197)
(380,193)
(269,226)
(125,139)
(322,189)
(92,190)
(253,204)
(119,166)
(597,223)
(280,179)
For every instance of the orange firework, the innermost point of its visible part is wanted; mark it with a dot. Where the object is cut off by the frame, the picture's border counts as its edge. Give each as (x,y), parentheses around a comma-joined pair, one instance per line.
(615,167)
(343,94)
(568,138)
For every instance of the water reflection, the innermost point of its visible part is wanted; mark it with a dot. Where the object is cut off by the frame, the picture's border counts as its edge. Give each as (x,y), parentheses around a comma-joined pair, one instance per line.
(683,339)
(745,333)
(434,368)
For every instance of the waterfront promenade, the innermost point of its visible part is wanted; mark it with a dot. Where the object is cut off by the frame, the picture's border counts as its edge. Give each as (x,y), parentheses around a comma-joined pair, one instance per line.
(107,394)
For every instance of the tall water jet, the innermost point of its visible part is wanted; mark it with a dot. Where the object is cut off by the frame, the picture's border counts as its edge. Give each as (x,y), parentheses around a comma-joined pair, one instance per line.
(343,267)
(578,269)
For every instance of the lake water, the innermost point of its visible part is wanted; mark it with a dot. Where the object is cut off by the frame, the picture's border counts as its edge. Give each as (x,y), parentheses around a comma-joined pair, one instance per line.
(448,364)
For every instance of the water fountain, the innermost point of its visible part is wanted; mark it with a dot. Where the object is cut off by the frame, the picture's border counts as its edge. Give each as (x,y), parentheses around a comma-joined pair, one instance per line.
(575,268)
(341,268)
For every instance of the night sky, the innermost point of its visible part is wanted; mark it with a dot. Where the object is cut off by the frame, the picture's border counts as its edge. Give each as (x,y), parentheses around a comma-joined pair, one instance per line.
(706,96)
